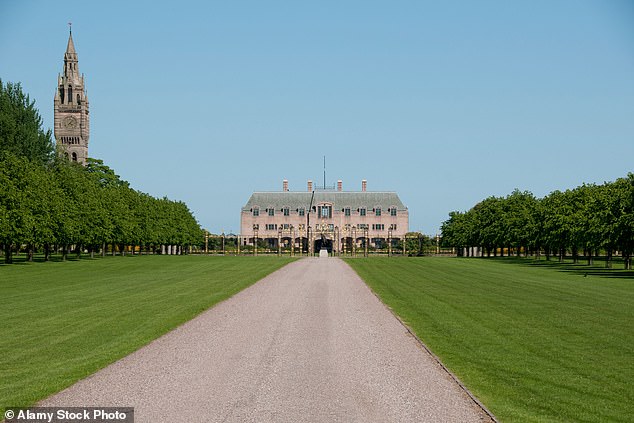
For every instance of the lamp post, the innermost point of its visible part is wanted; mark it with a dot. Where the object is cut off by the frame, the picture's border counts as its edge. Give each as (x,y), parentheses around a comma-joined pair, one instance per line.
(223,242)
(279,242)
(206,242)
(389,242)
(255,240)
(337,242)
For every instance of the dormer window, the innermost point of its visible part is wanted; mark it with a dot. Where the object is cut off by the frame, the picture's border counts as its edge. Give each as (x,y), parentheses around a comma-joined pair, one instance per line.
(256,211)
(324,211)
(393,211)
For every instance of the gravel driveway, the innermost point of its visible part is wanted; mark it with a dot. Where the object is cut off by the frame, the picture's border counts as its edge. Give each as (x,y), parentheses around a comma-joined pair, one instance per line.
(308,343)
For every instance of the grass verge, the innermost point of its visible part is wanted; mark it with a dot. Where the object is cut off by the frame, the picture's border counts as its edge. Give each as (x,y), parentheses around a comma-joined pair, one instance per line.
(534,342)
(60,322)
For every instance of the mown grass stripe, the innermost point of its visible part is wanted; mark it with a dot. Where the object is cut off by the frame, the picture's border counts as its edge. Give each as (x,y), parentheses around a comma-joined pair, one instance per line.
(61,322)
(532,342)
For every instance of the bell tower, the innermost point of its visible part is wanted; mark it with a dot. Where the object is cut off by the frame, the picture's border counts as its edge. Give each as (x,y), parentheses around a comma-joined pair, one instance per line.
(72,122)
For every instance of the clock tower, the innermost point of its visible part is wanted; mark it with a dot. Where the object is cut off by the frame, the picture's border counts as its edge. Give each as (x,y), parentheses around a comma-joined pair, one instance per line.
(71,126)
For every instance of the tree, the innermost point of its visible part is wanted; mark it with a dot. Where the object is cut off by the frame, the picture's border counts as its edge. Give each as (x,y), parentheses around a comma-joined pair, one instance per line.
(21,130)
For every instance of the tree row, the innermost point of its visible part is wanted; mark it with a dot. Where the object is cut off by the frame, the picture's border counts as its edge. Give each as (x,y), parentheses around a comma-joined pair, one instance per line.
(589,220)
(48,203)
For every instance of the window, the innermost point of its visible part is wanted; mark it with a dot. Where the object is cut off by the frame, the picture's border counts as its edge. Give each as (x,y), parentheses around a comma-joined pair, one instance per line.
(302,227)
(256,227)
(362,226)
(301,211)
(378,226)
(286,211)
(331,227)
(377,211)
(271,226)
(324,211)
(362,212)
(285,226)
(256,211)
(74,157)
(346,212)
(393,211)
(271,212)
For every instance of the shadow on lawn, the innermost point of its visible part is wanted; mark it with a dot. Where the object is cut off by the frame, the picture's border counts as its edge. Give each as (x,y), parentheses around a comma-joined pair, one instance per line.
(21,259)
(581,268)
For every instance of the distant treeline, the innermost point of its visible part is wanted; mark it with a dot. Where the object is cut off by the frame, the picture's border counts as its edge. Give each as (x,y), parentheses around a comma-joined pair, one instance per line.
(48,202)
(589,219)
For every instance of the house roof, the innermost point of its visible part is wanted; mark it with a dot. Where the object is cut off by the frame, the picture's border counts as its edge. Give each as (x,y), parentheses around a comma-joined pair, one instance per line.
(339,199)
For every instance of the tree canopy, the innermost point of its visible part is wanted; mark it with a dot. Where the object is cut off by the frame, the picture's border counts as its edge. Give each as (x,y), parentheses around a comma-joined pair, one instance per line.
(589,218)
(46,201)
(21,126)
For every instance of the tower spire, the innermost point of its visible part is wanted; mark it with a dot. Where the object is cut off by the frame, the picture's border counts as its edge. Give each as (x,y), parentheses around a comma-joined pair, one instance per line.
(71,107)
(70,47)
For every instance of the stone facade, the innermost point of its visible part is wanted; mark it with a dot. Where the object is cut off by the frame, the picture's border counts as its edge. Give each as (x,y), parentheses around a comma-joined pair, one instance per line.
(72,122)
(336,219)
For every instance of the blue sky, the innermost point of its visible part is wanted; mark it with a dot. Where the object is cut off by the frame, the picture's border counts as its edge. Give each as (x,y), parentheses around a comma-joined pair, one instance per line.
(444,102)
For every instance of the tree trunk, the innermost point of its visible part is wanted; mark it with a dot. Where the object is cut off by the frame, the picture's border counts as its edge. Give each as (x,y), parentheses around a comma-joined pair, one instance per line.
(47,252)
(608,259)
(78,251)
(8,254)
(29,252)
(64,252)
(103,249)
(114,249)
(590,258)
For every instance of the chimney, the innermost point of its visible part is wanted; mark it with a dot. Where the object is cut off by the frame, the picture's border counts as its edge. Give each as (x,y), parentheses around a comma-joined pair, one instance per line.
(285,185)
(310,186)
(339,185)
(364,185)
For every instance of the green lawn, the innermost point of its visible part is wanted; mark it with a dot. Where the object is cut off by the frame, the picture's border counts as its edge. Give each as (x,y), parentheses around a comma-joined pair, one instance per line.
(60,322)
(534,341)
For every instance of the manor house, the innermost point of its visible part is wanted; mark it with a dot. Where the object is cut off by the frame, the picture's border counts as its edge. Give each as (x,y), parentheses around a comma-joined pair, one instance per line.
(324,218)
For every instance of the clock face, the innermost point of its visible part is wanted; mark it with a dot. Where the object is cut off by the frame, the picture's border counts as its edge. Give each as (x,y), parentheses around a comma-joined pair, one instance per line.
(70,122)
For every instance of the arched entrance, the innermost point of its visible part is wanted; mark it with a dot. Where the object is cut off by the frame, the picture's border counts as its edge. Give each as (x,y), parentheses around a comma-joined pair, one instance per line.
(323,243)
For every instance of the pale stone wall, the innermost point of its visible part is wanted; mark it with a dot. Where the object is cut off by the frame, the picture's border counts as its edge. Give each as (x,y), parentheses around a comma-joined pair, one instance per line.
(401,220)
